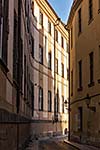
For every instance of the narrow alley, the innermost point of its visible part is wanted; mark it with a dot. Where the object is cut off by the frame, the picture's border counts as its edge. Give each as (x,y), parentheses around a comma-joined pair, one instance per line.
(48,144)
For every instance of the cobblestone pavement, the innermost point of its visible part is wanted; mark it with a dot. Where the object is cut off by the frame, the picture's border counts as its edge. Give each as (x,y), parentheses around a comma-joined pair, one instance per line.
(48,144)
(54,145)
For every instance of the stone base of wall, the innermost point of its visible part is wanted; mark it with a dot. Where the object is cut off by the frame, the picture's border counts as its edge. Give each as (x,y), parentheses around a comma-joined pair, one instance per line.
(13,135)
(14,130)
(42,129)
(85,139)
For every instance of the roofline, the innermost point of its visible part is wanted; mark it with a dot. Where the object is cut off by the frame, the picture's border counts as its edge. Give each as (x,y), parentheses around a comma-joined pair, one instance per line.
(54,12)
(74,7)
(52,9)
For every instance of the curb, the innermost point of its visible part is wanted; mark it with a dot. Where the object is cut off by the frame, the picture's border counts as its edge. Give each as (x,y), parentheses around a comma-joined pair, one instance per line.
(67,142)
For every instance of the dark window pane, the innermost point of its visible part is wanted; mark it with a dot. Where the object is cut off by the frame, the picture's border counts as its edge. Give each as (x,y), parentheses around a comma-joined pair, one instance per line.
(49,60)
(91,67)
(49,101)
(41,19)
(49,27)
(79,20)
(40,99)
(41,54)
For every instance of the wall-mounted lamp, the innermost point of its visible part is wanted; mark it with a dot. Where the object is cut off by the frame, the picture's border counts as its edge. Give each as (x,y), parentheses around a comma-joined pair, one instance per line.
(66,103)
(88,101)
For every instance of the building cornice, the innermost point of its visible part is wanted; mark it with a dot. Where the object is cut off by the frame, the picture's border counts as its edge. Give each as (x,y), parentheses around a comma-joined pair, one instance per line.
(50,12)
(74,7)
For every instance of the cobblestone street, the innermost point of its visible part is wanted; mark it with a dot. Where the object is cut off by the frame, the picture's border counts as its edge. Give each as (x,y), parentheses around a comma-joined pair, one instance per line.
(49,144)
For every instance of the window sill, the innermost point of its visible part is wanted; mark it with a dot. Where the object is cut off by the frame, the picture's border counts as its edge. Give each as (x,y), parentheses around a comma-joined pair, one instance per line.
(80,89)
(89,22)
(91,84)
(3,66)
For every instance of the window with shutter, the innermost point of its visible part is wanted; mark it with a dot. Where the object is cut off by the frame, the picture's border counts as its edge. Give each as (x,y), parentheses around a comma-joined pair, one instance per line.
(40,98)
(4,30)
(49,101)
(15,47)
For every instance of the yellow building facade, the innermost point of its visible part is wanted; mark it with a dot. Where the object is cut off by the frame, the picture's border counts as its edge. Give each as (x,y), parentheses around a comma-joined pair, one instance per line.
(83,25)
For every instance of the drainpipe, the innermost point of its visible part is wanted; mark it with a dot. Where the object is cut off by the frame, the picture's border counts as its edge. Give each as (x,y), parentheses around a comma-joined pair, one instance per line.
(69,81)
(69,86)
(55,113)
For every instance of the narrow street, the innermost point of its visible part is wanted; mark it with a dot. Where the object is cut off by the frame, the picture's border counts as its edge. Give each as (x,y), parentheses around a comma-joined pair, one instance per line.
(54,145)
(49,144)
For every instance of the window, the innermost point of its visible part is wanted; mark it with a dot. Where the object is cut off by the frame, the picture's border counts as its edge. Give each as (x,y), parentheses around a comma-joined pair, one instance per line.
(62,104)
(15,47)
(41,54)
(40,99)
(62,42)
(67,47)
(90,9)
(1,27)
(79,21)
(29,90)
(49,101)
(28,18)
(26,7)
(41,19)
(49,27)
(4,30)
(72,83)
(67,74)
(71,37)
(45,43)
(62,66)
(56,65)
(33,8)
(25,76)
(91,67)
(56,35)
(57,102)
(80,118)
(98,6)
(49,60)
(32,43)
(80,74)
(20,75)
(99,56)
(32,97)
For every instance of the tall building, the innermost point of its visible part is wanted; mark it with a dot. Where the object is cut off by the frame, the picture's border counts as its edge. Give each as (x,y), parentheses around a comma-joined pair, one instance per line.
(49,66)
(34,69)
(15,101)
(83,24)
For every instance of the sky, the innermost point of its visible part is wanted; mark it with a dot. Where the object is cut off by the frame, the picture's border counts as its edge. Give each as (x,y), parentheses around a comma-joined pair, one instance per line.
(62,8)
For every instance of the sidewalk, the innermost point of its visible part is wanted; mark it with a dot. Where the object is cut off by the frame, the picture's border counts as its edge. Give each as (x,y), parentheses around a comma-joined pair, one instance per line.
(81,146)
